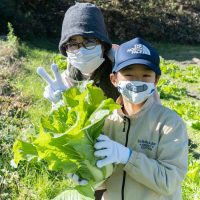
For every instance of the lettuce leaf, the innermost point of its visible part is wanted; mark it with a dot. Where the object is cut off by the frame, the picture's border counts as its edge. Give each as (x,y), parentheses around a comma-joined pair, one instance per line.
(67,136)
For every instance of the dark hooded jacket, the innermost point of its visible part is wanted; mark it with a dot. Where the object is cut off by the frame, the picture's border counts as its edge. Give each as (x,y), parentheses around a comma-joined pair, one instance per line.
(101,78)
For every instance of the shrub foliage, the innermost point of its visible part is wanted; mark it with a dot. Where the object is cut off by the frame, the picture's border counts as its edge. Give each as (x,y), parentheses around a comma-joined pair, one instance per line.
(172,20)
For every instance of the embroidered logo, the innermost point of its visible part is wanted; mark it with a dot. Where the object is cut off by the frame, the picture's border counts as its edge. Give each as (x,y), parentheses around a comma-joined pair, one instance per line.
(139,49)
(144,144)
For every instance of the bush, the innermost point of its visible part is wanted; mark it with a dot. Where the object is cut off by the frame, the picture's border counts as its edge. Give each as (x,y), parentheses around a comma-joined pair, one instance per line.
(9,53)
(173,20)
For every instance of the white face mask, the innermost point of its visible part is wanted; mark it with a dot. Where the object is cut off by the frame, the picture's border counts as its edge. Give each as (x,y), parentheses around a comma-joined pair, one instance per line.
(87,61)
(136,91)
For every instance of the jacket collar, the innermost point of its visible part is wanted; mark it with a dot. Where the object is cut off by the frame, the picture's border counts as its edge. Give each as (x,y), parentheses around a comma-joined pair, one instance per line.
(147,105)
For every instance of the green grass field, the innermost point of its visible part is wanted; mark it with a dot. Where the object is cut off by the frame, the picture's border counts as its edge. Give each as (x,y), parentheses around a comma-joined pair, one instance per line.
(22,104)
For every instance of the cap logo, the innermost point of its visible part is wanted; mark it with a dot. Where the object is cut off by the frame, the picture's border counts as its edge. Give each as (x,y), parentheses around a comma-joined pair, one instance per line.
(139,49)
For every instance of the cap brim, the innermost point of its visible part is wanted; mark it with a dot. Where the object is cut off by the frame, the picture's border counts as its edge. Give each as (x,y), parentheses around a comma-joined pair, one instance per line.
(124,64)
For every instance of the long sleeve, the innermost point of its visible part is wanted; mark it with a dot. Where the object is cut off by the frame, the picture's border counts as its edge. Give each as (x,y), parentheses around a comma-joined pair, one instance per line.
(166,172)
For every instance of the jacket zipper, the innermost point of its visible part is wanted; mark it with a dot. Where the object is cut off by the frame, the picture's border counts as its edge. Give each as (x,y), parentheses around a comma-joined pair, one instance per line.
(124,173)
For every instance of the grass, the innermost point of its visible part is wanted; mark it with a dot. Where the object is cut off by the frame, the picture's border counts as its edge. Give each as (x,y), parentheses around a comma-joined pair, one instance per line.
(34,181)
(178,52)
(29,83)
(30,181)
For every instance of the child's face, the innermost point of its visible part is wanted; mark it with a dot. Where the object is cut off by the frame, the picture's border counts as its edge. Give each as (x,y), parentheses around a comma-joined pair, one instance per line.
(136,72)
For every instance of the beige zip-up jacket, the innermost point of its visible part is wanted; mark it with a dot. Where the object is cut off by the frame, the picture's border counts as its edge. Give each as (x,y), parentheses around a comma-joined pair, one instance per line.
(159,159)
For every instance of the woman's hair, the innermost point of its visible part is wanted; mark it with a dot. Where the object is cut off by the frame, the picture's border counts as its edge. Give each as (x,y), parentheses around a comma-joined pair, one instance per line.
(101,77)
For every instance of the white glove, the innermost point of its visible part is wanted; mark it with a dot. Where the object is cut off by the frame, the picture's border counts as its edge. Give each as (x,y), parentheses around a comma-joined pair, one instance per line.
(76,179)
(111,151)
(55,87)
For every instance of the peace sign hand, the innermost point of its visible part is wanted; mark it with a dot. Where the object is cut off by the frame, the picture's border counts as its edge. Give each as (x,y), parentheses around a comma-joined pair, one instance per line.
(55,87)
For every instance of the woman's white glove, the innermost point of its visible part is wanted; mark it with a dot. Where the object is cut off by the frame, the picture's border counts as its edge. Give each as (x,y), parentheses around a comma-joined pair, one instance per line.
(110,151)
(76,179)
(55,87)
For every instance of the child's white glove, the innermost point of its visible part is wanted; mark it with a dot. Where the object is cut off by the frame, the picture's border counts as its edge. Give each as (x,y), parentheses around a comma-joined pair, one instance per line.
(75,178)
(110,151)
(55,87)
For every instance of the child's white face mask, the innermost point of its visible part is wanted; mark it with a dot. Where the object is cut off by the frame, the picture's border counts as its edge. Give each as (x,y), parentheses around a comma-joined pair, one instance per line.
(136,91)
(87,61)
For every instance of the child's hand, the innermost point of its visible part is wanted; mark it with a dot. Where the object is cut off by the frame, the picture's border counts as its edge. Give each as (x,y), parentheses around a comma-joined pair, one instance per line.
(113,152)
(75,178)
(55,87)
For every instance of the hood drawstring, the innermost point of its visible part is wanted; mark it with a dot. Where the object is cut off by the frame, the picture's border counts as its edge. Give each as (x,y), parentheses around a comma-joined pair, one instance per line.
(124,128)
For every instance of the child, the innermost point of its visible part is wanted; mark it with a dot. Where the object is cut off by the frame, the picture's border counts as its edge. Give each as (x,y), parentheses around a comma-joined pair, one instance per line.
(146,140)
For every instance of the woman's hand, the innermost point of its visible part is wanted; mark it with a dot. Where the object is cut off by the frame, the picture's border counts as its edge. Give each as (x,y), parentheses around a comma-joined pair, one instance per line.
(55,87)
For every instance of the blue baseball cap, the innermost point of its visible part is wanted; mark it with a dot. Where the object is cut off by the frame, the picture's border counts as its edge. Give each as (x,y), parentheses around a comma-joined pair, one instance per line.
(137,51)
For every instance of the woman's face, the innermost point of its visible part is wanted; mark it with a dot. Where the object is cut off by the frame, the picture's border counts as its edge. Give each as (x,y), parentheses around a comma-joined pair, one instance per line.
(78,41)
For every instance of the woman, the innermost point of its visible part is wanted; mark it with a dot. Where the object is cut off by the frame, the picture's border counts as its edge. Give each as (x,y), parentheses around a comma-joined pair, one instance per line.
(85,43)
